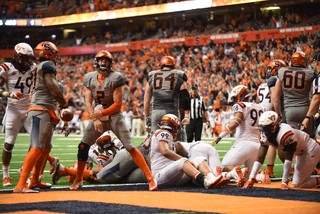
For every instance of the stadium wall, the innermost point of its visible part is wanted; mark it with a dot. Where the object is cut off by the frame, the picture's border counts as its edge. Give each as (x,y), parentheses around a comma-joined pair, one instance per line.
(252,36)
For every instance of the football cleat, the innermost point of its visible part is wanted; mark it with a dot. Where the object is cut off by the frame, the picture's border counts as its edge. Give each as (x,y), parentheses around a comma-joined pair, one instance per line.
(245,172)
(24,190)
(210,182)
(240,179)
(53,165)
(222,183)
(39,185)
(218,170)
(6,181)
(72,177)
(59,172)
(265,177)
(20,170)
(76,185)
(271,175)
(153,184)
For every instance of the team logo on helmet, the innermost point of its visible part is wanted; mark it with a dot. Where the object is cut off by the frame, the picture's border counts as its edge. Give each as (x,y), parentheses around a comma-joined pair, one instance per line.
(273,67)
(170,122)
(23,56)
(239,93)
(47,51)
(268,122)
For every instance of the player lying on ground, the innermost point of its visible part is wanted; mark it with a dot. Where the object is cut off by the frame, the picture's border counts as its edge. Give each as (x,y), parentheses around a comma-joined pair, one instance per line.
(115,166)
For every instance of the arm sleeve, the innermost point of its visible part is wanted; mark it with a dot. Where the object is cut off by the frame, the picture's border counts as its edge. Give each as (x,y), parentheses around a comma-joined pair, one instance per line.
(185,99)
(49,67)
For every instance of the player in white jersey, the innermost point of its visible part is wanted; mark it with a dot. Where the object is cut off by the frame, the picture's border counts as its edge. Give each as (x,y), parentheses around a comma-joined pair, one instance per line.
(292,142)
(203,149)
(212,120)
(171,169)
(103,158)
(16,77)
(263,97)
(246,117)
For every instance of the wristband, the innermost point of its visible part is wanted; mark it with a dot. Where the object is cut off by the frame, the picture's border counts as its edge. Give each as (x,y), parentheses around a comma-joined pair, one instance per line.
(307,117)
(5,94)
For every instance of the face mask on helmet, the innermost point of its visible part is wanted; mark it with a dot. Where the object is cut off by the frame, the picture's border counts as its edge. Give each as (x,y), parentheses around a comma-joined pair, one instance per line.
(103,67)
(170,122)
(23,57)
(268,123)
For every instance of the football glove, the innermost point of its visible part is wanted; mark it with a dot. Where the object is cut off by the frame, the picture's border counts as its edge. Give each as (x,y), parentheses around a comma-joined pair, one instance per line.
(285,185)
(249,183)
(216,140)
(185,121)
(148,122)
(15,95)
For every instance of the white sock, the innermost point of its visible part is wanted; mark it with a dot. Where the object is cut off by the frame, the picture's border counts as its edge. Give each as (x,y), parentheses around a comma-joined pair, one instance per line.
(5,171)
(210,174)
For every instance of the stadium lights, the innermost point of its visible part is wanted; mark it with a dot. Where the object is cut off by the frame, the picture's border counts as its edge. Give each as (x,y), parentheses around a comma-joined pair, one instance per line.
(27,37)
(270,8)
(53,36)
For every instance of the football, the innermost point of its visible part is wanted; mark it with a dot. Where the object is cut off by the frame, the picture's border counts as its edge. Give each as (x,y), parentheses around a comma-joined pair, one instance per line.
(66,115)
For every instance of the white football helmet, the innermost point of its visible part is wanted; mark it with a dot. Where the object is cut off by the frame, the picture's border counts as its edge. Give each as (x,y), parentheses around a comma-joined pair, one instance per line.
(239,93)
(23,56)
(269,122)
(170,122)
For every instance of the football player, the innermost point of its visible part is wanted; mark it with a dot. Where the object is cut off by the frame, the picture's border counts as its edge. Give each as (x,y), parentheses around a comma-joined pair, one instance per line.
(203,149)
(163,90)
(292,142)
(246,147)
(16,77)
(264,93)
(105,87)
(295,83)
(42,116)
(170,168)
(122,168)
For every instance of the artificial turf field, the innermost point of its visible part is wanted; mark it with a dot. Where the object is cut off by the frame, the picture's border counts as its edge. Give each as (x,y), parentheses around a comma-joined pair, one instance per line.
(135,198)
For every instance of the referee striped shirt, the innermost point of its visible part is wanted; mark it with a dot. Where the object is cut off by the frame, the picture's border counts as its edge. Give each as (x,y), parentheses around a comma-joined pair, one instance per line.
(198,106)
(316,85)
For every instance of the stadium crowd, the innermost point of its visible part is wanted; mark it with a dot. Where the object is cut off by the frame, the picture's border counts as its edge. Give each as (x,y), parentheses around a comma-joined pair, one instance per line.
(216,68)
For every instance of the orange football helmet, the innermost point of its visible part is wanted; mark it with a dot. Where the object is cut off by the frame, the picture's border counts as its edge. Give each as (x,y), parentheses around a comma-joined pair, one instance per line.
(103,54)
(299,59)
(167,61)
(47,51)
(273,66)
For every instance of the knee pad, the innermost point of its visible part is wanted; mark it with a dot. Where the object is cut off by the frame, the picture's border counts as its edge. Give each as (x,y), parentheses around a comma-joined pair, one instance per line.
(83,150)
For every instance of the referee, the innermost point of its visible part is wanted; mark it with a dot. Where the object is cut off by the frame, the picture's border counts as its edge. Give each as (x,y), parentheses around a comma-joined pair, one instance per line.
(198,108)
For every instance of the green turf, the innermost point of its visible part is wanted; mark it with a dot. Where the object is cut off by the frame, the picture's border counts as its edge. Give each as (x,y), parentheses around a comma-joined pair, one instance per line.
(66,149)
